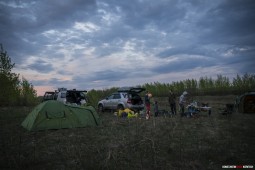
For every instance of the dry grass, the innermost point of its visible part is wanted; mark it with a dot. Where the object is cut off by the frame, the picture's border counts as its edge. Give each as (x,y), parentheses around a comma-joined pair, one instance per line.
(158,143)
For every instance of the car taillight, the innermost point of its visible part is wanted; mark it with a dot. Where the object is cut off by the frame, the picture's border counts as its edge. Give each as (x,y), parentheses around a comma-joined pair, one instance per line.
(129,101)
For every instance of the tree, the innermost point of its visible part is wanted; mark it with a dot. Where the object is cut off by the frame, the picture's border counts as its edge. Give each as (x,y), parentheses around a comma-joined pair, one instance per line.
(13,91)
(9,91)
(27,93)
(245,83)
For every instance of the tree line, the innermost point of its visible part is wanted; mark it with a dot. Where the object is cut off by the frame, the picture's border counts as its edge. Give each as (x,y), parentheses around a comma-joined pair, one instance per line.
(13,90)
(16,91)
(222,85)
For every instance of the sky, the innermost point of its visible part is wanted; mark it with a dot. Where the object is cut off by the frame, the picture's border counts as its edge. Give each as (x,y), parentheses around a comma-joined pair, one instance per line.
(99,44)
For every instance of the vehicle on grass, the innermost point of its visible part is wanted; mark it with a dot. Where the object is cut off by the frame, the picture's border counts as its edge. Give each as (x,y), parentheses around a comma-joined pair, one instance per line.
(49,95)
(67,96)
(125,97)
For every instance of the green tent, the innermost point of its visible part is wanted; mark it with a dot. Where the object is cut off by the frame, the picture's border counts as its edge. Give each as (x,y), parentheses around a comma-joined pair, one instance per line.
(56,115)
(246,102)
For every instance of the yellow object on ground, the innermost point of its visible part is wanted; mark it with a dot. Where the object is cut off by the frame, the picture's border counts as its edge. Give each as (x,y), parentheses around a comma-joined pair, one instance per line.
(131,115)
(127,113)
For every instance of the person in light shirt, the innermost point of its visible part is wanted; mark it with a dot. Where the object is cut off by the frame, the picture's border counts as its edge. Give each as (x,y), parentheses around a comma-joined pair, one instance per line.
(182,102)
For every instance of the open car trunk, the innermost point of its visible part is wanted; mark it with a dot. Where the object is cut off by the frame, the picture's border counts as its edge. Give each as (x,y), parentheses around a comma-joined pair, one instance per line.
(135,99)
(74,96)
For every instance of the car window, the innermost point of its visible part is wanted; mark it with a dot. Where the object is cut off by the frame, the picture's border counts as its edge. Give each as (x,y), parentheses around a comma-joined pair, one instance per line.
(63,95)
(110,97)
(48,96)
(125,95)
(55,96)
(129,95)
(116,96)
(82,94)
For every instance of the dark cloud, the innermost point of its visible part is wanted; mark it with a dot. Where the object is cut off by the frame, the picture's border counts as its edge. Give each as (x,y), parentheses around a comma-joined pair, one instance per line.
(41,66)
(186,50)
(159,13)
(108,75)
(242,59)
(184,64)
(55,82)
(40,15)
(197,34)
(231,22)
(64,72)
(23,23)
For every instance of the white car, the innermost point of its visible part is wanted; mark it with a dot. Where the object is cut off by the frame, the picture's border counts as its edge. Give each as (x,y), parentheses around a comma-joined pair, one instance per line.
(126,97)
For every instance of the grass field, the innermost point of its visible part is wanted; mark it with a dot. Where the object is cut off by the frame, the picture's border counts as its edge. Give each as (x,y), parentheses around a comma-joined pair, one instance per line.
(159,143)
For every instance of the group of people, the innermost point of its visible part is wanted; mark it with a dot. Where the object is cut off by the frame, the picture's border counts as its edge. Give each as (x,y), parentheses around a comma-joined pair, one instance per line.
(172,102)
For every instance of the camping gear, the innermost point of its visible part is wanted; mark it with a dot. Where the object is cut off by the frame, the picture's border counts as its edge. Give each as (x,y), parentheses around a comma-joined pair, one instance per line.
(53,114)
(127,113)
(246,103)
(195,108)
(228,109)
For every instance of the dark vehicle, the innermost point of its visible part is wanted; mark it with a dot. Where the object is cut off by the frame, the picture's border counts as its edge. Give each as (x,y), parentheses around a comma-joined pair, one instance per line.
(67,96)
(49,95)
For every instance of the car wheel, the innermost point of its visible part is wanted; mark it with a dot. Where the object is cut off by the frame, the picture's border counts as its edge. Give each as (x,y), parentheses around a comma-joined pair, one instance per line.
(120,107)
(100,108)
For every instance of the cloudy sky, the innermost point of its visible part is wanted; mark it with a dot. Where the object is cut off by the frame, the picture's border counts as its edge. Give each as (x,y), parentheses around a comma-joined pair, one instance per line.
(97,44)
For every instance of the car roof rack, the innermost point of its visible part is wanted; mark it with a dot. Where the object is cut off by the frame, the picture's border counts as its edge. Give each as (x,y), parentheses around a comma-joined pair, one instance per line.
(131,89)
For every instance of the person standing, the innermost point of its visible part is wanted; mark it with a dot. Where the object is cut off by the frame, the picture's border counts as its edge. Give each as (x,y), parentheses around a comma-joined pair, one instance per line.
(172,101)
(147,104)
(156,108)
(182,102)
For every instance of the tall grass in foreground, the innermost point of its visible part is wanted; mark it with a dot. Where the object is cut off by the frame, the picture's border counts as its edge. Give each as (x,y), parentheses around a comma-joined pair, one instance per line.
(159,143)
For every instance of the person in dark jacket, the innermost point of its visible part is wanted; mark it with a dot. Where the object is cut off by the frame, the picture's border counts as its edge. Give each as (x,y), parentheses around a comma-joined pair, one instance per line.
(172,101)
(156,108)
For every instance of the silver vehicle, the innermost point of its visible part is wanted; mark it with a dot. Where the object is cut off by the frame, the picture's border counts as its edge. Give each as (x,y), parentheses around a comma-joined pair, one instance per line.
(126,97)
